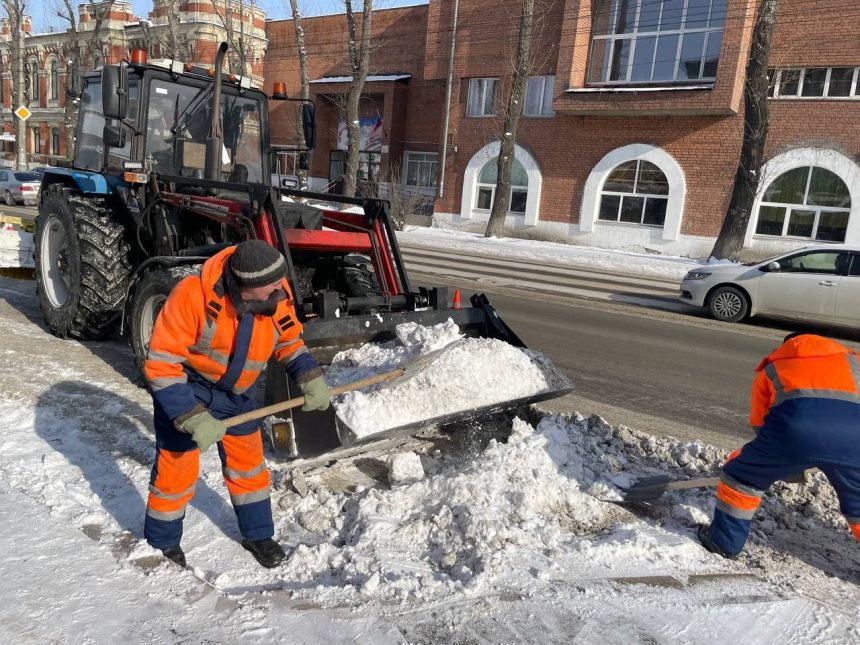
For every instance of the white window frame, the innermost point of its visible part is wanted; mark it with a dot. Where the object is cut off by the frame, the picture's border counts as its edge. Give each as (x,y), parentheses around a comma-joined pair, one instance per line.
(787,208)
(645,196)
(492,189)
(843,167)
(481,85)
(635,35)
(545,109)
(853,94)
(434,162)
(671,230)
(471,175)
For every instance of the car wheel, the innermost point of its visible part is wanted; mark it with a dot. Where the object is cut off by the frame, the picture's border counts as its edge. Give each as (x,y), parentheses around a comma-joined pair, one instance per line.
(728,304)
(10,201)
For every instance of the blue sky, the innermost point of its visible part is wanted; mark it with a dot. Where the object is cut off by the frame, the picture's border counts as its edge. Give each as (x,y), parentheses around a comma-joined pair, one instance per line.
(44,18)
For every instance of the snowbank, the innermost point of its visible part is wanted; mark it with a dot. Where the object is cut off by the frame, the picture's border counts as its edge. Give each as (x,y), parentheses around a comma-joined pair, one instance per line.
(16,247)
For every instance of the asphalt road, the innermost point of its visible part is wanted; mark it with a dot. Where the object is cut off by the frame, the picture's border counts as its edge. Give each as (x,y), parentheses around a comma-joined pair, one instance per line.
(661,372)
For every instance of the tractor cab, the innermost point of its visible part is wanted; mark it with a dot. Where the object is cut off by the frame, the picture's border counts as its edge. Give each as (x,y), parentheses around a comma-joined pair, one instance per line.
(161,118)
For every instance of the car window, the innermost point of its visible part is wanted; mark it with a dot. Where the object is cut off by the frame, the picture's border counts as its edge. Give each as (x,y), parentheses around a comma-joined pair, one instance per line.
(3,176)
(820,262)
(855,265)
(27,176)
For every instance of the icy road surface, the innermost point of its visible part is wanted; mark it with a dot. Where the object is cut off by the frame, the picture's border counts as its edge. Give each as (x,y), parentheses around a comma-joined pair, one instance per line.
(500,542)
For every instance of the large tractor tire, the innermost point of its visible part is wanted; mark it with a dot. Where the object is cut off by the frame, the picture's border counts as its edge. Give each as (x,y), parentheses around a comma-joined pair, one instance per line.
(83,264)
(149,297)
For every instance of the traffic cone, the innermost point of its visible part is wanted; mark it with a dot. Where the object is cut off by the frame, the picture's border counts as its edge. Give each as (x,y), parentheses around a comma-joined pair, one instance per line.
(456,303)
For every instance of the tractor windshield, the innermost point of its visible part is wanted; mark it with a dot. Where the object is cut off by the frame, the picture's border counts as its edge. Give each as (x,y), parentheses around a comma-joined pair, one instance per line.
(178,123)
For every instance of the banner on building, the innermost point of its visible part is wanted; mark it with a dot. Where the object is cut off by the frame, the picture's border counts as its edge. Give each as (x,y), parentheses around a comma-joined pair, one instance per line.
(371,134)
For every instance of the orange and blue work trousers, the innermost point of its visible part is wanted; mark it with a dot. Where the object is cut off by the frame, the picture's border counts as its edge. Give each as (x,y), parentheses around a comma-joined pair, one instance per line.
(177,465)
(798,434)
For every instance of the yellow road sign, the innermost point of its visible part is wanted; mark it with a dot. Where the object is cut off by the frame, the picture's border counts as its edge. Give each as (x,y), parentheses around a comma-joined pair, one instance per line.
(23,113)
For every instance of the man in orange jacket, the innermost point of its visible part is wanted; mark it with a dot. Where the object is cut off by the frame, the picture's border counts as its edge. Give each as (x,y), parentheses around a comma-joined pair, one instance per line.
(211,340)
(806,413)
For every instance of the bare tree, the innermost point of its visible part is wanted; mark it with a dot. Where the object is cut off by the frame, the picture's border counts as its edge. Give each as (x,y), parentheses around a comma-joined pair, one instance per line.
(239,51)
(15,10)
(304,75)
(78,51)
(729,243)
(359,60)
(513,112)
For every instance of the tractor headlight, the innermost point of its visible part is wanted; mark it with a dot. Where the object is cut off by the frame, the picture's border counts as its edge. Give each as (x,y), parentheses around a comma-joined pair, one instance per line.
(697,275)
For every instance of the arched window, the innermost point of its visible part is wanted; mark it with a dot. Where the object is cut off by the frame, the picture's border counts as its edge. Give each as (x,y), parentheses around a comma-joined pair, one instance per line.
(55,79)
(487,186)
(55,141)
(97,60)
(34,81)
(807,202)
(635,191)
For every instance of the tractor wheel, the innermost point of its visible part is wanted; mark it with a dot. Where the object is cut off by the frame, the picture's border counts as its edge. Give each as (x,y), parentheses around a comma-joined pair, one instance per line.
(83,263)
(149,297)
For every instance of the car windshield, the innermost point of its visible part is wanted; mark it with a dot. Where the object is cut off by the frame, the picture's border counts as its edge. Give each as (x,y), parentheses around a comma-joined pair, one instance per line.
(765,261)
(27,176)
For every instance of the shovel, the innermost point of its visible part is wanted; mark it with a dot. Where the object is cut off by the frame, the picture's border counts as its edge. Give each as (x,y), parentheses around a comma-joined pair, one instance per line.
(647,489)
(391,378)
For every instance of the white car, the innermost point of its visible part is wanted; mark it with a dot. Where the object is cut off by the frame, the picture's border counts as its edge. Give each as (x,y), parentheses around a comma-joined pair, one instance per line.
(816,283)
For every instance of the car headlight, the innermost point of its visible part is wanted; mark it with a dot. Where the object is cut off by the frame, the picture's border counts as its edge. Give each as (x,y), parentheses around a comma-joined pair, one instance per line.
(697,275)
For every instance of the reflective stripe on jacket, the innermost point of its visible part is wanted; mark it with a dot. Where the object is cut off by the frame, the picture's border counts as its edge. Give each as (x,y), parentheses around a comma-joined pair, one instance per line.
(198,330)
(806,366)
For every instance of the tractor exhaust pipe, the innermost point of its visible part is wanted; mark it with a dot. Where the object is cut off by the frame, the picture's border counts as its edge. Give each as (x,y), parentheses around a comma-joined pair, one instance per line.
(215,140)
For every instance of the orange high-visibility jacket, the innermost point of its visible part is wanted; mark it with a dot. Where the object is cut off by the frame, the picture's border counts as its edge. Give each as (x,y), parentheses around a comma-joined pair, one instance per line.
(806,366)
(197,330)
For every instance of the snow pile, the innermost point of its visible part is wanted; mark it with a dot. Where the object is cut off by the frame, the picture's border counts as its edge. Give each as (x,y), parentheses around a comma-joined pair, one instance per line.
(465,375)
(521,507)
(16,247)
(404,467)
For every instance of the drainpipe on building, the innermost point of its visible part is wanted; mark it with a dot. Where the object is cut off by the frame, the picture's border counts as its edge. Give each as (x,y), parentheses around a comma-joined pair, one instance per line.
(448,85)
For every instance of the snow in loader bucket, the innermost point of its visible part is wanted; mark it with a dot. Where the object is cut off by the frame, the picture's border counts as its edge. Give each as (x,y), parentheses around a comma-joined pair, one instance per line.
(462,383)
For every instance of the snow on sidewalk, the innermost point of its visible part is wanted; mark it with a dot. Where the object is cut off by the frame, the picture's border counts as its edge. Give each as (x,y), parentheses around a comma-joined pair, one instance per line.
(514,539)
(663,266)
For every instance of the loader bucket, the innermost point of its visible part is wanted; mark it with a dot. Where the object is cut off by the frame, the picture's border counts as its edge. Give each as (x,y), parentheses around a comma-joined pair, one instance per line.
(312,434)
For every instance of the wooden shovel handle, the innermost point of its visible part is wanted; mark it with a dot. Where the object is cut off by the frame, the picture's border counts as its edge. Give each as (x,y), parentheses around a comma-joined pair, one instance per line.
(259,413)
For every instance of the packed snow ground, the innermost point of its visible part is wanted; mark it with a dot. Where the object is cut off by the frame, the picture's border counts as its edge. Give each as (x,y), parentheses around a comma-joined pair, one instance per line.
(507,536)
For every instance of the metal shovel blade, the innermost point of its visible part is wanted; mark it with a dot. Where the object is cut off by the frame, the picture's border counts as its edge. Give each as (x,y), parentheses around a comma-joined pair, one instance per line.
(648,489)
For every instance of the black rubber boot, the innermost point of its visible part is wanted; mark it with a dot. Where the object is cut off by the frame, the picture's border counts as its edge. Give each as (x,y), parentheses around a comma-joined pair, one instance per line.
(175,554)
(704,535)
(267,552)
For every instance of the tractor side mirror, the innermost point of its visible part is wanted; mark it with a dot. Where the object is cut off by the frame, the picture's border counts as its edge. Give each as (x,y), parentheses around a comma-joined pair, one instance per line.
(115,91)
(309,126)
(114,136)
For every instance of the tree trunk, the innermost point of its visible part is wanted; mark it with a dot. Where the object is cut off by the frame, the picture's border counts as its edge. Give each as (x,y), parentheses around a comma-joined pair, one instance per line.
(513,112)
(304,74)
(359,58)
(729,243)
(20,82)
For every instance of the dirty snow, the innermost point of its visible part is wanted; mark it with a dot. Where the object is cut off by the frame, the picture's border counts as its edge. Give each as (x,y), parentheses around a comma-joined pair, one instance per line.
(506,538)
(463,376)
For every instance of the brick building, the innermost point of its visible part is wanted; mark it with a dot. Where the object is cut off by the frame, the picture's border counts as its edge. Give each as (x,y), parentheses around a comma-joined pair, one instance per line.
(633,119)
(198,31)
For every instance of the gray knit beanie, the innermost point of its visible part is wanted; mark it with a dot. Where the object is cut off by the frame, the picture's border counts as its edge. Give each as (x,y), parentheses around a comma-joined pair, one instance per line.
(256,264)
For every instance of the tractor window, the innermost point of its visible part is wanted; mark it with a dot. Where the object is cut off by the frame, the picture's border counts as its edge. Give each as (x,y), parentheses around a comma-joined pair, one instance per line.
(185,111)
(89,149)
